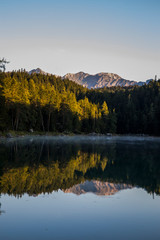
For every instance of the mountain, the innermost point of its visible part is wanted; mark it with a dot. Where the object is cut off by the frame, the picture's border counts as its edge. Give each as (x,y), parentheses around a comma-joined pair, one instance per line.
(98,80)
(97,187)
(38,71)
(101,80)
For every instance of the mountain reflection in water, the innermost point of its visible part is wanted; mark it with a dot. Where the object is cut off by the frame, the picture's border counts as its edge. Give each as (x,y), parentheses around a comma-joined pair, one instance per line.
(97,187)
(43,165)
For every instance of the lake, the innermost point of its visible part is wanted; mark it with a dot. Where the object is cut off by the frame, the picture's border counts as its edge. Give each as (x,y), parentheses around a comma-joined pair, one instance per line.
(79,188)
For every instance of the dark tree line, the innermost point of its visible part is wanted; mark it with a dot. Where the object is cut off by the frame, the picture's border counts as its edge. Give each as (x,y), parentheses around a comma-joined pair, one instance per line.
(137,108)
(48,103)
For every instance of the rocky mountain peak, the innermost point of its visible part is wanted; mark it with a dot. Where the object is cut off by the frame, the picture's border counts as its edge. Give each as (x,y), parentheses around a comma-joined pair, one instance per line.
(97,187)
(37,71)
(98,80)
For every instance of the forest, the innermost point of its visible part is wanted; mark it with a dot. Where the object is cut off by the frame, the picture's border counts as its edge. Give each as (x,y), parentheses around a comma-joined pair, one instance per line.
(47,103)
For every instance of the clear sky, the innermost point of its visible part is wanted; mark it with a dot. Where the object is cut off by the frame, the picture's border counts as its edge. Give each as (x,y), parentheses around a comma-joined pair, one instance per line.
(61,36)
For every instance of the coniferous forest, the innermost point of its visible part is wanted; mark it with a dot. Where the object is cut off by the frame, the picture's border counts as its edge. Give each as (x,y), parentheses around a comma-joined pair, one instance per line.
(48,103)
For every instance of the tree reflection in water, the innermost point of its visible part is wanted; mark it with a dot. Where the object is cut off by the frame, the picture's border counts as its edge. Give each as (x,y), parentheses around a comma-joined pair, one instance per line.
(38,165)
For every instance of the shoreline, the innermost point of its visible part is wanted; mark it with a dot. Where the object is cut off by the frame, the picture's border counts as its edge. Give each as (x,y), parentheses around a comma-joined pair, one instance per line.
(12,135)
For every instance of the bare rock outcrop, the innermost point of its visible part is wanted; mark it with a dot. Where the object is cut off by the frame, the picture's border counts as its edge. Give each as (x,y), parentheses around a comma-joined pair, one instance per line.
(101,80)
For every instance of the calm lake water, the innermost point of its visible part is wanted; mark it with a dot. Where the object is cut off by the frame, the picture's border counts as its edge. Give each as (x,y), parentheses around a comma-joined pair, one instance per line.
(80,188)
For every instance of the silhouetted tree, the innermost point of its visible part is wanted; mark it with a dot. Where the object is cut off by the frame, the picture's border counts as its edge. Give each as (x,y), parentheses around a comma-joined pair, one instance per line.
(3,63)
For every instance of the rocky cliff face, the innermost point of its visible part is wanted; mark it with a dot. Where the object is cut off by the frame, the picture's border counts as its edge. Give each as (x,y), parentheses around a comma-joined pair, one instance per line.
(97,187)
(100,80)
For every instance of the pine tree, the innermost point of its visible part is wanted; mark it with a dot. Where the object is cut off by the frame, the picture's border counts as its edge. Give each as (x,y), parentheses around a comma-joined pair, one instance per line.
(3,63)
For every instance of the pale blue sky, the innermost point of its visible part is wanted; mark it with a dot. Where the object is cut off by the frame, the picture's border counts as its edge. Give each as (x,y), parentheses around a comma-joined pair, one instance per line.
(61,36)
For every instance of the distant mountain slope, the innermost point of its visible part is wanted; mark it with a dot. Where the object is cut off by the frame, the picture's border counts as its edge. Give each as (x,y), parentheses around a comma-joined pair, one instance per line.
(97,187)
(37,70)
(98,80)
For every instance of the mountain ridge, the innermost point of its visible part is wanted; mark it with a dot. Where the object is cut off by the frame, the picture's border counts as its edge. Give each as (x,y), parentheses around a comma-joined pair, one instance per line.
(98,188)
(102,79)
(98,80)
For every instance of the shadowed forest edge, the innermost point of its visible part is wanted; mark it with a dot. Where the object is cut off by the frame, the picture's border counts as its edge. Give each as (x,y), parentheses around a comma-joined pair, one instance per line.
(49,104)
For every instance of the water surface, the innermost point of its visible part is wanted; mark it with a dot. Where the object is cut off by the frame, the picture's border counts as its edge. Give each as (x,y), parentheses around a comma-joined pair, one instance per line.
(80,188)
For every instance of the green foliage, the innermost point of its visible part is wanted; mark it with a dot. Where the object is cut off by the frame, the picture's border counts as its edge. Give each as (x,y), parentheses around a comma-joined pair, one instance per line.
(48,103)
(135,110)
